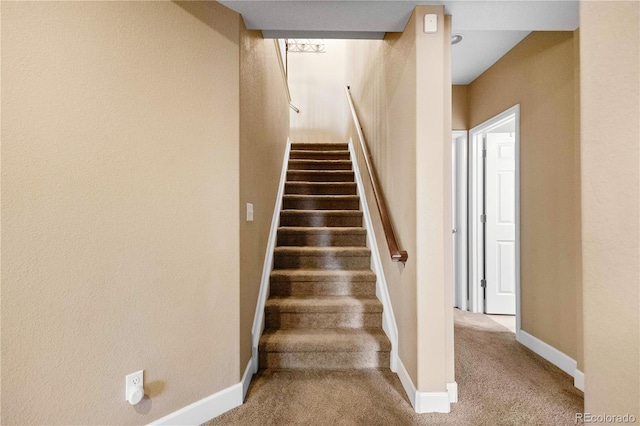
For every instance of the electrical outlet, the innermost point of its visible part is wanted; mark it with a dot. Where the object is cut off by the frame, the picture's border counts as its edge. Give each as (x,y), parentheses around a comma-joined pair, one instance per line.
(134,381)
(249,212)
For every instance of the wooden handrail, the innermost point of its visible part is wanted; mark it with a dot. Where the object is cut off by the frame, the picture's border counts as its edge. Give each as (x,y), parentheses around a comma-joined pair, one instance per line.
(283,71)
(397,255)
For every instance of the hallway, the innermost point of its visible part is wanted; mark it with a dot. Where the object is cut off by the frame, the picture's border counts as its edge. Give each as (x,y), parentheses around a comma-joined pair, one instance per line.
(142,150)
(500,383)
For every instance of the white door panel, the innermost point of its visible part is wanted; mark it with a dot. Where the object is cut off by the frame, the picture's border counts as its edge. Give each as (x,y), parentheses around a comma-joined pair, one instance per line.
(500,252)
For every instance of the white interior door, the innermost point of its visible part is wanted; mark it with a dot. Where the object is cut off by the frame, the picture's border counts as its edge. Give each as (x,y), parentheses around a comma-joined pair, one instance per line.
(454,221)
(500,239)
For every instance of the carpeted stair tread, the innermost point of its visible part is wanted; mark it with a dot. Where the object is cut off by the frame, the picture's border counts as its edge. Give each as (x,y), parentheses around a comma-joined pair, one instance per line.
(320,197)
(309,257)
(325,361)
(324,340)
(320,202)
(320,146)
(319,155)
(322,172)
(333,218)
(324,251)
(320,176)
(323,212)
(324,229)
(320,188)
(322,282)
(323,311)
(323,304)
(321,275)
(327,154)
(293,287)
(320,164)
(322,236)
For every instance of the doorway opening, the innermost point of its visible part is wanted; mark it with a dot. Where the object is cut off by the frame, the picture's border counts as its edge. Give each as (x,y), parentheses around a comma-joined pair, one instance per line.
(459,206)
(494,216)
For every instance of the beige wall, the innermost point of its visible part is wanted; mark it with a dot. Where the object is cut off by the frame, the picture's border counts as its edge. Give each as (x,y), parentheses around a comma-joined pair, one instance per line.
(122,158)
(383,90)
(539,74)
(578,213)
(460,107)
(317,83)
(399,97)
(610,70)
(264,128)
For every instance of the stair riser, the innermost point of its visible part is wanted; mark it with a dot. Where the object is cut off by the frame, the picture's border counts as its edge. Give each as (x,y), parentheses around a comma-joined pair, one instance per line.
(311,155)
(320,220)
(321,240)
(320,204)
(319,146)
(318,165)
(323,360)
(320,189)
(307,176)
(323,320)
(311,288)
(295,261)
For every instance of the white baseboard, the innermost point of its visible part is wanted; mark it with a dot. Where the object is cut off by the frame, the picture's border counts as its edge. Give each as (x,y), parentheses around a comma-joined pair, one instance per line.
(452,389)
(548,352)
(432,402)
(205,409)
(561,360)
(578,379)
(389,325)
(263,295)
(426,402)
(246,378)
(211,406)
(407,383)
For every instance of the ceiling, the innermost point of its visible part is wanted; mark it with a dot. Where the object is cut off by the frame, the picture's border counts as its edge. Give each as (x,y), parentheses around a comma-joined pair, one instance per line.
(490,28)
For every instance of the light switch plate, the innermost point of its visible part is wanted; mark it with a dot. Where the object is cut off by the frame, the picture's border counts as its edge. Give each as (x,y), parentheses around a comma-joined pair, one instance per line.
(249,212)
(431,23)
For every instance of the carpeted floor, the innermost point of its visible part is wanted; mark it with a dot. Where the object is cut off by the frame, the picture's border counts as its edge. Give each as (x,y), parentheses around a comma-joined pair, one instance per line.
(500,382)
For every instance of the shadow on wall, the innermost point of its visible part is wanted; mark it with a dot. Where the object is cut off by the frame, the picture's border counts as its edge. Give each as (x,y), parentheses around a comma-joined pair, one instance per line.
(205,11)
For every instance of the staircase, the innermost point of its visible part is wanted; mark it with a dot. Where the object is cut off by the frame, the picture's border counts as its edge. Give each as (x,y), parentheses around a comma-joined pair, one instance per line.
(322,312)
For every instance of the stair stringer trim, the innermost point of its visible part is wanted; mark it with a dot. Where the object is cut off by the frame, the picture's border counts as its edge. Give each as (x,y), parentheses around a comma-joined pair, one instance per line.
(263,295)
(389,325)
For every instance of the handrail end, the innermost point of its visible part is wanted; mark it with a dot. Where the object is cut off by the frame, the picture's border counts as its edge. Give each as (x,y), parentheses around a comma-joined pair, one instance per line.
(400,256)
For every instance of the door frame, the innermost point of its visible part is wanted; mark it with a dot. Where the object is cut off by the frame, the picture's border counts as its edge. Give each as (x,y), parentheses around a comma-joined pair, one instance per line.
(476,208)
(459,208)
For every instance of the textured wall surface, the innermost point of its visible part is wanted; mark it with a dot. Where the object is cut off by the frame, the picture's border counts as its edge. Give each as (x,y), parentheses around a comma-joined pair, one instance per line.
(317,83)
(539,74)
(610,88)
(390,134)
(120,193)
(264,128)
(460,107)
(399,93)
